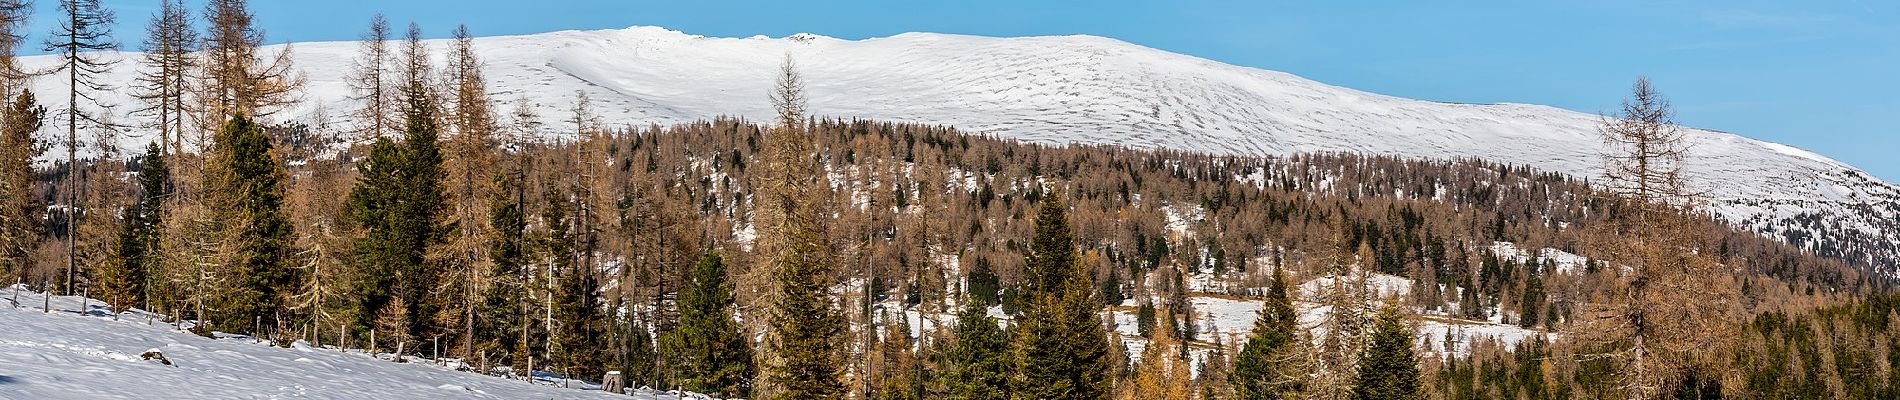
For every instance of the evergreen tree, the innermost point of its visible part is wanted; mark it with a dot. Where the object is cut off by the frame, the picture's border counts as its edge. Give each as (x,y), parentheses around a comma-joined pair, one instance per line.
(803,345)
(982,283)
(502,303)
(1533,300)
(1273,363)
(574,327)
(979,363)
(1388,369)
(398,203)
(708,351)
(1061,346)
(125,278)
(579,338)
(20,210)
(246,185)
(641,364)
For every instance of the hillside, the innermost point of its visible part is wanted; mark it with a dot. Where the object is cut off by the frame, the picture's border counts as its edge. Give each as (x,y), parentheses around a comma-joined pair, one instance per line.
(1092,90)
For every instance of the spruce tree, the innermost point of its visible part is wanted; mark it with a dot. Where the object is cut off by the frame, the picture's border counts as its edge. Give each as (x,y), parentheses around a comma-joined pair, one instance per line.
(979,363)
(708,351)
(1388,370)
(1061,346)
(125,278)
(1273,363)
(247,187)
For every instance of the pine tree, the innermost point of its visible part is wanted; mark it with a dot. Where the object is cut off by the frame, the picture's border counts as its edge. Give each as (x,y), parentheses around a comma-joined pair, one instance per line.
(803,342)
(246,184)
(708,350)
(979,362)
(1533,300)
(1273,363)
(125,279)
(20,210)
(1388,369)
(1061,346)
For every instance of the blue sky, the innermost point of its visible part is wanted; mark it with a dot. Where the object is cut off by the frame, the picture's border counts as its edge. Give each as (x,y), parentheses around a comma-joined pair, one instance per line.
(1818,74)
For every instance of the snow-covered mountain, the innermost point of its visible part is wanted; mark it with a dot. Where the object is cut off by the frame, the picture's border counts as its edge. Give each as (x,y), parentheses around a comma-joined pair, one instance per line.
(1085,89)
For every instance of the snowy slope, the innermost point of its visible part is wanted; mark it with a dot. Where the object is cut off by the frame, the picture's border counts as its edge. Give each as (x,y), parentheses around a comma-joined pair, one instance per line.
(67,355)
(1084,89)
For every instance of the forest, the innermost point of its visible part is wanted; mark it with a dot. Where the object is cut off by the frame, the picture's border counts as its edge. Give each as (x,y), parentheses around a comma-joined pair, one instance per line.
(812,257)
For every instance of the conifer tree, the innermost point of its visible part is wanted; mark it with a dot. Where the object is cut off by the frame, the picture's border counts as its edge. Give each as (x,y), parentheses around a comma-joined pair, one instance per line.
(1272,365)
(20,210)
(579,338)
(640,364)
(236,79)
(1673,300)
(708,350)
(85,30)
(979,362)
(1061,346)
(803,341)
(126,278)
(398,203)
(1388,369)
(392,326)
(900,367)
(468,161)
(1162,373)
(556,247)
(246,185)
(370,80)
(168,61)
(13,17)
(503,300)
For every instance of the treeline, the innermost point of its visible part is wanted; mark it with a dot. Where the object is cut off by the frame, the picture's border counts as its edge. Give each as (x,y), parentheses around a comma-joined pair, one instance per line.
(791,260)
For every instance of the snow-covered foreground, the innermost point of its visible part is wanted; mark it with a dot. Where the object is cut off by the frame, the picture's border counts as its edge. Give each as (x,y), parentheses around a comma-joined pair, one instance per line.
(68,355)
